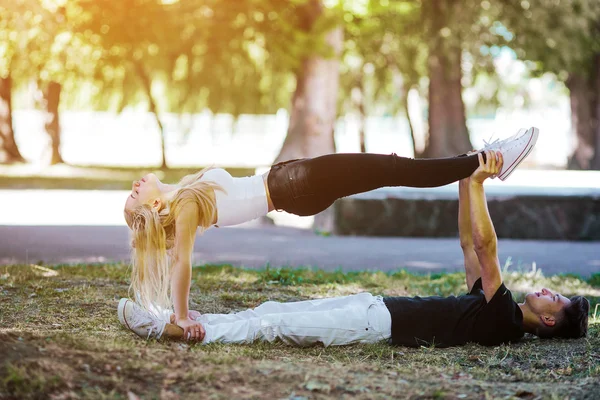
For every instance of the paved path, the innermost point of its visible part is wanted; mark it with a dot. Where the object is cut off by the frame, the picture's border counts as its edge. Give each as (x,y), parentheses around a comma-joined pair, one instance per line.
(56,226)
(258,245)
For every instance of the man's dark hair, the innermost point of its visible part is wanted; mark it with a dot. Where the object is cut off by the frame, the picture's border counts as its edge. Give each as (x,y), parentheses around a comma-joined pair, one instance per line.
(573,323)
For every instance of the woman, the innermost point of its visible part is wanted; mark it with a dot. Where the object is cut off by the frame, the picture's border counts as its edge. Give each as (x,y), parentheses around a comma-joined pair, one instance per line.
(164,218)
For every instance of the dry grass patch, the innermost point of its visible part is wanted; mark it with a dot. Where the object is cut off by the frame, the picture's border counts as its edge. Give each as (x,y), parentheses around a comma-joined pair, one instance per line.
(60,338)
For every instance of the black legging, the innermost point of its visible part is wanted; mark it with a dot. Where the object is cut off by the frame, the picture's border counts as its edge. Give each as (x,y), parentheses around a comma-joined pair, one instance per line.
(310,185)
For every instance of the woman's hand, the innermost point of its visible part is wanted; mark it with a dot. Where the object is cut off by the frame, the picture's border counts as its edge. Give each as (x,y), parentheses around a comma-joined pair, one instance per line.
(193,315)
(490,168)
(192,330)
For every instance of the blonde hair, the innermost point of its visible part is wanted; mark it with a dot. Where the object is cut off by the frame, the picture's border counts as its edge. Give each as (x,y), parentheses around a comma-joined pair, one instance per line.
(153,237)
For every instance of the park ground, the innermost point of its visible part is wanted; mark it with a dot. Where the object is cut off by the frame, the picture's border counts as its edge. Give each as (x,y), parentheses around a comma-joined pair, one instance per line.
(60,338)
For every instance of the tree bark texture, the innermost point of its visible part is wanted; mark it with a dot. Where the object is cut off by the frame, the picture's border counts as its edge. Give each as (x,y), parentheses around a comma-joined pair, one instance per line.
(9,152)
(581,121)
(596,107)
(362,114)
(584,92)
(448,133)
(314,103)
(52,124)
(411,127)
(147,85)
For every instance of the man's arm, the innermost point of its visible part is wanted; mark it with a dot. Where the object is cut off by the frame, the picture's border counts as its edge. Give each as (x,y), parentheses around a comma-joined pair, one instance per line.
(484,236)
(472,267)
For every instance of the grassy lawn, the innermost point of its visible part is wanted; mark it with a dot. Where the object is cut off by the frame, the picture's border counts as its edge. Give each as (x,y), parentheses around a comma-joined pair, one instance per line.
(60,338)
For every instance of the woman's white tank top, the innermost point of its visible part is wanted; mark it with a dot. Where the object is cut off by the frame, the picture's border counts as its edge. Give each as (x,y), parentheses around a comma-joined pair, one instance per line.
(244,199)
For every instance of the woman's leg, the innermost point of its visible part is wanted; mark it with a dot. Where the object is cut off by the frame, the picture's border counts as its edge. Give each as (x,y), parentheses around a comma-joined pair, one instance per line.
(308,186)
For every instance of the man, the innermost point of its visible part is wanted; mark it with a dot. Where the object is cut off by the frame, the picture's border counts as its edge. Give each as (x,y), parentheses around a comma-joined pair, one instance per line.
(487,314)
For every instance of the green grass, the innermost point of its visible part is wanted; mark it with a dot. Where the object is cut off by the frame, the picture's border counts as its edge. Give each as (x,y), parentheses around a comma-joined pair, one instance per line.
(60,338)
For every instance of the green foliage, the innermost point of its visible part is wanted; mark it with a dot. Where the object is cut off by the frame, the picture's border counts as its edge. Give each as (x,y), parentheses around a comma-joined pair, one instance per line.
(304,276)
(241,56)
(594,280)
(384,55)
(236,57)
(557,36)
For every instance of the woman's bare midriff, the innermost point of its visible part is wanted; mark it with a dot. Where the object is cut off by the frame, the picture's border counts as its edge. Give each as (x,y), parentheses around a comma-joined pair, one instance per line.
(269,201)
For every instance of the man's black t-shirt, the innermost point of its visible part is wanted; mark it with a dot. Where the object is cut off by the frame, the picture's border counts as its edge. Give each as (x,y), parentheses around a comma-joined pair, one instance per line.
(450,321)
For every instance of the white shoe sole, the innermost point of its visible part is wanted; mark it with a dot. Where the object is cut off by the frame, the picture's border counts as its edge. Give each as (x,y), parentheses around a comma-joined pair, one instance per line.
(169,330)
(522,156)
(121,313)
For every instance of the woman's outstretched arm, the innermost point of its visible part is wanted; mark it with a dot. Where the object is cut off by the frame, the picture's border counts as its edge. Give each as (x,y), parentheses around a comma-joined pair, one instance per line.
(181,274)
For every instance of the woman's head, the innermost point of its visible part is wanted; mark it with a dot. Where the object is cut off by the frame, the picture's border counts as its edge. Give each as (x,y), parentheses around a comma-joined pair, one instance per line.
(151,211)
(148,190)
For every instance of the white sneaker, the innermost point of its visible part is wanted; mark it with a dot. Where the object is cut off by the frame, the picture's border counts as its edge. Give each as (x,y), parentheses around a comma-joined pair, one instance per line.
(137,320)
(514,149)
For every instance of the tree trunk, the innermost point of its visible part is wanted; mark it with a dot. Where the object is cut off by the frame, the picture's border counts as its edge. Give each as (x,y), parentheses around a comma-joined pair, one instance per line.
(582,121)
(9,152)
(458,134)
(448,133)
(411,127)
(147,85)
(596,107)
(52,124)
(584,91)
(314,104)
(362,115)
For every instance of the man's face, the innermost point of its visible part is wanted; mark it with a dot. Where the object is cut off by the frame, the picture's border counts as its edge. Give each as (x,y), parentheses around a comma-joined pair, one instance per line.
(546,302)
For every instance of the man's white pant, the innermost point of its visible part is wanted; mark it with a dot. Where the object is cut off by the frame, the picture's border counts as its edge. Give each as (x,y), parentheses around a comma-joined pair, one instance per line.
(360,318)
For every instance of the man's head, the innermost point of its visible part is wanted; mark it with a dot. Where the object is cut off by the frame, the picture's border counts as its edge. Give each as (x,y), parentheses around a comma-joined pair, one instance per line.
(548,314)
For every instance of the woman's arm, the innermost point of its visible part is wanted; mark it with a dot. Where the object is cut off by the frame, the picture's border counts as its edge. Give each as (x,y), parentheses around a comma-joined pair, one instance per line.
(181,274)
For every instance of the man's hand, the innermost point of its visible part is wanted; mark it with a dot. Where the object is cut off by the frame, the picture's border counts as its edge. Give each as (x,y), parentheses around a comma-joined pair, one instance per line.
(192,330)
(490,168)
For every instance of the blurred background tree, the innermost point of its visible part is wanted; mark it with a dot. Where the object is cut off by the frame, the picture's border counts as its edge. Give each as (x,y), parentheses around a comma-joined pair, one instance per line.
(42,54)
(384,59)
(9,152)
(320,59)
(563,38)
(314,102)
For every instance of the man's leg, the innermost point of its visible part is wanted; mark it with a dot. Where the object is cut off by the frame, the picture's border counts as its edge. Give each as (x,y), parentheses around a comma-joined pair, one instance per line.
(361,319)
(274,307)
